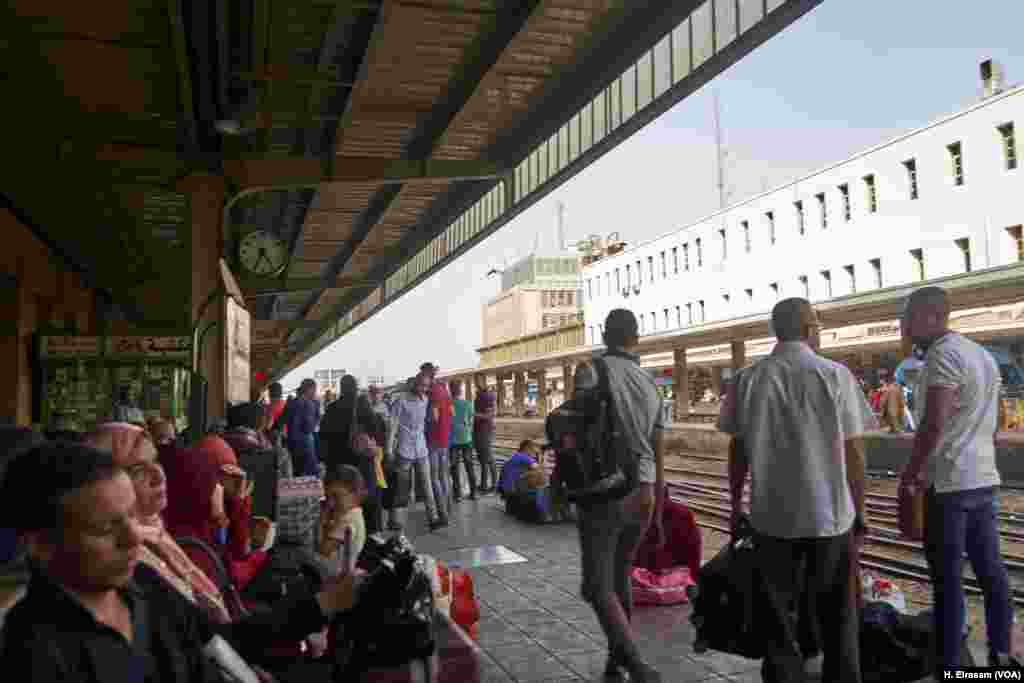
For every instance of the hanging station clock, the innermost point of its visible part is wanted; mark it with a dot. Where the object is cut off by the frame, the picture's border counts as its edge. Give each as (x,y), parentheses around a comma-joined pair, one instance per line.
(262,253)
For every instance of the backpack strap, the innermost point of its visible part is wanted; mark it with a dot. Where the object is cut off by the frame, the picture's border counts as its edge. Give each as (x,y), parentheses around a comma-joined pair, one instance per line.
(604,388)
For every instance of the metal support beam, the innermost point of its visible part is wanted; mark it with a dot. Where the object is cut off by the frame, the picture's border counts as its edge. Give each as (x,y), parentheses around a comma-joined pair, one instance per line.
(297,172)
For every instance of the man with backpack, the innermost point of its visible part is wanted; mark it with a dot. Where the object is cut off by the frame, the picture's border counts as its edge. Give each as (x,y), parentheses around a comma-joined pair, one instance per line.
(612,526)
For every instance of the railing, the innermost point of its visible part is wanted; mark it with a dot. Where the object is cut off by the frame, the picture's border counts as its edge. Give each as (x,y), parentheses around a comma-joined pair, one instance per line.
(543,343)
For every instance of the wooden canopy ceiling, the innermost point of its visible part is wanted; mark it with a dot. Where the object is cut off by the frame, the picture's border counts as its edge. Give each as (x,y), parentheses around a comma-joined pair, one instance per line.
(321,116)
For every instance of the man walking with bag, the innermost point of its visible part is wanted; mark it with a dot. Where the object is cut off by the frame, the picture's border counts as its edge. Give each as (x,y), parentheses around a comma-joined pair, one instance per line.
(611,530)
(796,420)
(954,460)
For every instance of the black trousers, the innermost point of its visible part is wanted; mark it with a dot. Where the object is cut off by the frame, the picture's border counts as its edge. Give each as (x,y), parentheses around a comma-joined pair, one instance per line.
(460,456)
(807,586)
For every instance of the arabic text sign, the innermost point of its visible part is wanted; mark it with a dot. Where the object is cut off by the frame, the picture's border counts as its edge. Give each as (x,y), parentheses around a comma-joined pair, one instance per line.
(69,346)
(170,348)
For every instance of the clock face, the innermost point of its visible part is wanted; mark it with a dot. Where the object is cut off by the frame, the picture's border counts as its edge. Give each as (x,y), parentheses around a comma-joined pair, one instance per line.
(262,253)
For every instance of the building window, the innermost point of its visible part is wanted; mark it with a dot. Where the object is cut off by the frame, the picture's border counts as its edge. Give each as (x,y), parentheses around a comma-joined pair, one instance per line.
(844,192)
(675,260)
(618,281)
(689,314)
(654,322)
(746,235)
(806,286)
(1017,235)
(639,273)
(911,167)
(664,266)
(590,289)
(629,276)
(1009,146)
(823,207)
(956,160)
(702,311)
(686,257)
(679,317)
(642,316)
(608,281)
(770,217)
(827,279)
(801,225)
(872,191)
(666,318)
(918,256)
(851,273)
(775,290)
(964,245)
(593,339)
(700,254)
(725,244)
(725,300)
(750,296)
(876,267)
(650,268)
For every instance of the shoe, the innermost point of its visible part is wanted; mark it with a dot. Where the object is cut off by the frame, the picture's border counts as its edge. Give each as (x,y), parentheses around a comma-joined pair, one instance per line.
(438,523)
(645,674)
(613,671)
(472,496)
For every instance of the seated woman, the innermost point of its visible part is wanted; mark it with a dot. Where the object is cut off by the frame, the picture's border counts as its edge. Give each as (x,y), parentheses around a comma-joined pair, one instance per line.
(682,546)
(523,484)
(134,451)
(208,498)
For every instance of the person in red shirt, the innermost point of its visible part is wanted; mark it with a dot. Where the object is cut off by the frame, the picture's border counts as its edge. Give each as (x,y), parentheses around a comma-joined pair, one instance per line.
(441,412)
(276,406)
(682,546)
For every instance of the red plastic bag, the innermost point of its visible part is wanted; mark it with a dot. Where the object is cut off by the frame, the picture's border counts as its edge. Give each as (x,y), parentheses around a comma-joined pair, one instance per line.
(661,588)
(465,610)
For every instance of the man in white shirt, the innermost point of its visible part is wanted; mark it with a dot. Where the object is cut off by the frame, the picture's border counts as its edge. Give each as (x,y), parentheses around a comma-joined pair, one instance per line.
(954,459)
(796,420)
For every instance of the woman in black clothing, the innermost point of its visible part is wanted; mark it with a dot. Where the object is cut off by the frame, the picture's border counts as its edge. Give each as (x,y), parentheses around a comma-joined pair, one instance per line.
(352,414)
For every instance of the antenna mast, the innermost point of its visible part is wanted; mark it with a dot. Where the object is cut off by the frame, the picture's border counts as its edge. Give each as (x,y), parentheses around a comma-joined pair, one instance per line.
(719,152)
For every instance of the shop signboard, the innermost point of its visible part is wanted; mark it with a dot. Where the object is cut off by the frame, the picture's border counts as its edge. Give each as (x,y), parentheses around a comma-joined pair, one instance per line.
(149,348)
(69,346)
(237,338)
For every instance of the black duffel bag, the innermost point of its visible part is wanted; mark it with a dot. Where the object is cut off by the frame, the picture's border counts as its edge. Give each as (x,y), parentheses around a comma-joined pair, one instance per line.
(393,622)
(728,599)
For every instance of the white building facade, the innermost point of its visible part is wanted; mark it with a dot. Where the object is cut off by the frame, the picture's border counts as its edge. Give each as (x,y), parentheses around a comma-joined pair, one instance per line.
(942,200)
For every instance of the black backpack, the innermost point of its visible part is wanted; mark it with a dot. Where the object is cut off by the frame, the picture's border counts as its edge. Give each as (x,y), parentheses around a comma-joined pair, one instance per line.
(591,461)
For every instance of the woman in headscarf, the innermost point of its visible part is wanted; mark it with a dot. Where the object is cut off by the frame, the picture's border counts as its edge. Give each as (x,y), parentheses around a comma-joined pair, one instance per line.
(134,451)
(353,414)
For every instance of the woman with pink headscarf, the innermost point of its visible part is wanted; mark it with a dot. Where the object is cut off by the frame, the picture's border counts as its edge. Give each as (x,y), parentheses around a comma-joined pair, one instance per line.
(133,450)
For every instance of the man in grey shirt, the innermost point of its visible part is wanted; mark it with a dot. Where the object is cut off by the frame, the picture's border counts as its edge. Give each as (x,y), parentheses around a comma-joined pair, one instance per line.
(611,531)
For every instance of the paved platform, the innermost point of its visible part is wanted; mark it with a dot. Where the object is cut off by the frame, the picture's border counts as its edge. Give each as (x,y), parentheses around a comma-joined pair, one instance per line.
(535,627)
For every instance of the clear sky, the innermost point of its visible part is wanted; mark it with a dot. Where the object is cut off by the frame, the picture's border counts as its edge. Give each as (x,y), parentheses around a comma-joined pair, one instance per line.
(848,75)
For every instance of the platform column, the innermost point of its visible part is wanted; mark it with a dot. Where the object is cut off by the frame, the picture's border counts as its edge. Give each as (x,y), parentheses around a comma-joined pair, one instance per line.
(206,200)
(501,392)
(680,383)
(518,393)
(568,380)
(469,387)
(739,355)
(542,392)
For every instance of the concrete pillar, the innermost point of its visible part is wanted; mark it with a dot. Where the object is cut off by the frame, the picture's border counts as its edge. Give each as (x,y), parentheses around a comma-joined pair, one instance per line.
(207,205)
(501,392)
(469,387)
(519,393)
(680,383)
(20,308)
(716,381)
(739,355)
(568,380)
(542,392)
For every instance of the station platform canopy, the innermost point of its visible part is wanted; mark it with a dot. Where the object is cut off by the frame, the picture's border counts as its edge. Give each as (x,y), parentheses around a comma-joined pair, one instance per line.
(373,141)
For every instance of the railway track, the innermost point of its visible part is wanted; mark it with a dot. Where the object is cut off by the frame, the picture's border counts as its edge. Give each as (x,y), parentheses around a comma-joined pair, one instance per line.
(880,507)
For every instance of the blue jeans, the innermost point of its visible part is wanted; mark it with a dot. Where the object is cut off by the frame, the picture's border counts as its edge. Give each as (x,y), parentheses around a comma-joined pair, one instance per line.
(439,479)
(304,460)
(956,522)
